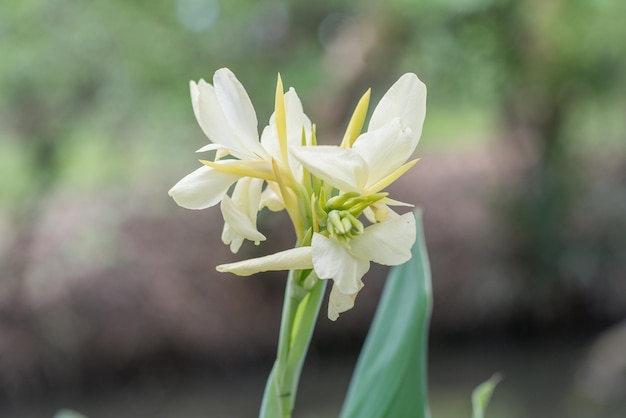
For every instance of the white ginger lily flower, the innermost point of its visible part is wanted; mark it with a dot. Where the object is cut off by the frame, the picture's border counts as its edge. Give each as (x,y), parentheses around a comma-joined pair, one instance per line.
(227,117)
(388,243)
(369,162)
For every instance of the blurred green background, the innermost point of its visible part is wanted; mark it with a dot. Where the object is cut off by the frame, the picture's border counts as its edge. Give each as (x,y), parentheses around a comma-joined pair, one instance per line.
(109,302)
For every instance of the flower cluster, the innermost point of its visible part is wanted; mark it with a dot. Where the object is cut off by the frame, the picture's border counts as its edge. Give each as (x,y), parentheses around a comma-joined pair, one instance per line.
(333,194)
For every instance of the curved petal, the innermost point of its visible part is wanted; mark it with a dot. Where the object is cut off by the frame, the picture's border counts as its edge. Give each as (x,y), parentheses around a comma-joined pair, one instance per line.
(271,199)
(293,259)
(406,99)
(210,116)
(231,238)
(212,147)
(340,302)
(332,261)
(341,168)
(203,188)
(239,222)
(238,110)
(388,243)
(384,149)
(240,211)
(296,119)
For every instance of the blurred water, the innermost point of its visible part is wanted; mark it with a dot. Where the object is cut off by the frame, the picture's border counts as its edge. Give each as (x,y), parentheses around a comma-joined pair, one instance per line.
(538,382)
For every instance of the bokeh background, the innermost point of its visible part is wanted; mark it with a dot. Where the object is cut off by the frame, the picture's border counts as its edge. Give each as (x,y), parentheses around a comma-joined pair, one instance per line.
(109,302)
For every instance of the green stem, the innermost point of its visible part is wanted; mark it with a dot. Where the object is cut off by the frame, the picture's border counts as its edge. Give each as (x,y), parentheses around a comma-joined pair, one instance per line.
(301,307)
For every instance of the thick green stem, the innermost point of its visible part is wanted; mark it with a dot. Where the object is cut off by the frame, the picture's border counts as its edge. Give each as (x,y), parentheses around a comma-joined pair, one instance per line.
(301,307)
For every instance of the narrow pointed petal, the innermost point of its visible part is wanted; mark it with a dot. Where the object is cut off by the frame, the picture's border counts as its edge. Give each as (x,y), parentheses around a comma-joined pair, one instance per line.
(293,259)
(355,126)
(280,119)
(406,99)
(202,189)
(384,149)
(243,168)
(388,243)
(341,168)
(340,302)
(390,178)
(393,202)
(332,261)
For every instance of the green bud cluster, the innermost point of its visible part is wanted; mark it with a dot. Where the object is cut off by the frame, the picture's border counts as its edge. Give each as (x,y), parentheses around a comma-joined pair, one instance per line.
(339,214)
(342,224)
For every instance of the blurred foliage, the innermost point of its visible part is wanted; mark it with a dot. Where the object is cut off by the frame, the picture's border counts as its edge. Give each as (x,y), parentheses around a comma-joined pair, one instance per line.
(94,98)
(77,75)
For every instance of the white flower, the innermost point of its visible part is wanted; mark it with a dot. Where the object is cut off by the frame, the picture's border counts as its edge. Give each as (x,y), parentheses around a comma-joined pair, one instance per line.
(388,243)
(226,115)
(377,157)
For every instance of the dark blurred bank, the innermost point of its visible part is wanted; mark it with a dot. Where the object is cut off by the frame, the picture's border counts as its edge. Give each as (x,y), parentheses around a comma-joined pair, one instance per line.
(109,302)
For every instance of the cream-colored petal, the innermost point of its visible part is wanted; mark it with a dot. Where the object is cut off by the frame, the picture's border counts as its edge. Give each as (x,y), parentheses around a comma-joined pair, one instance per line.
(296,119)
(269,140)
(247,196)
(231,238)
(202,189)
(331,260)
(341,168)
(340,302)
(238,110)
(271,199)
(388,242)
(239,221)
(384,149)
(212,147)
(293,259)
(240,212)
(406,99)
(211,118)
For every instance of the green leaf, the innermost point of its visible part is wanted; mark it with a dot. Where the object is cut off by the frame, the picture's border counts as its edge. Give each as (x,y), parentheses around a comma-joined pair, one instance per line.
(481,396)
(390,379)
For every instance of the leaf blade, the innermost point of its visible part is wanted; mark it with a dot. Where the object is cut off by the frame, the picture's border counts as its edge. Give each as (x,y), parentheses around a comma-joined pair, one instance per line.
(390,378)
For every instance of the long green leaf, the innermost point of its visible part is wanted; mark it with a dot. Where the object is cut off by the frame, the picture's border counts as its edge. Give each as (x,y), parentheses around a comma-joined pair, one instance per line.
(390,380)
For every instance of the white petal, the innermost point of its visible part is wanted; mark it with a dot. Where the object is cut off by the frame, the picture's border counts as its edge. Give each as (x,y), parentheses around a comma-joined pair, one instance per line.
(212,147)
(247,196)
(384,149)
(388,242)
(202,189)
(332,261)
(293,259)
(271,199)
(210,116)
(269,140)
(239,222)
(296,119)
(341,168)
(406,99)
(240,211)
(340,302)
(231,238)
(238,110)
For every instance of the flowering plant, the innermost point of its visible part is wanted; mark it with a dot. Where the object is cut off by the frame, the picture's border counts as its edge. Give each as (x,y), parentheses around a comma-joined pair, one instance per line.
(343,220)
